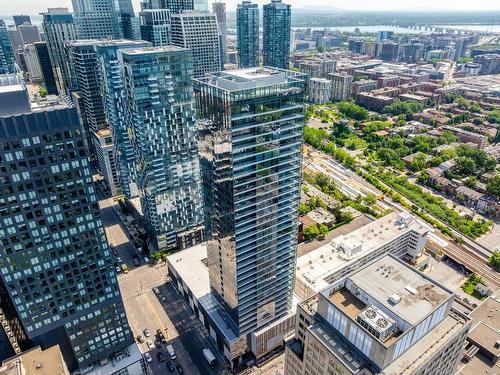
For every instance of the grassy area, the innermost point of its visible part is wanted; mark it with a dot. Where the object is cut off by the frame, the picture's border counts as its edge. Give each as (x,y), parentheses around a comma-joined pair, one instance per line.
(469,286)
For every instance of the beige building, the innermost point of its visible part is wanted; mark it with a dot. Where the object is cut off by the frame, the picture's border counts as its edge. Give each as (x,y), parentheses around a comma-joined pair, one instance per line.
(36,362)
(103,143)
(384,318)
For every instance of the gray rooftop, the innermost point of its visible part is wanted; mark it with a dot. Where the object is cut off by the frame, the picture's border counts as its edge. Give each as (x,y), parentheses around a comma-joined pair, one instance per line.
(388,276)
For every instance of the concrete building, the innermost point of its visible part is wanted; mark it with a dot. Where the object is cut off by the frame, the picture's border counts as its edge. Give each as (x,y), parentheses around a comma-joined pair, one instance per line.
(58,28)
(104,150)
(219,9)
(247,23)
(110,19)
(112,91)
(397,234)
(7,59)
(319,90)
(177,6)
(43,56)
(318,68)
(74,300)
(156,26)
(160,115)
(363,85)
(29,33)
(383,318)
(34,69)
(341,85)
(199,32)
(200,5)
(466,136)
(34,361)
(251,168)
(276,34)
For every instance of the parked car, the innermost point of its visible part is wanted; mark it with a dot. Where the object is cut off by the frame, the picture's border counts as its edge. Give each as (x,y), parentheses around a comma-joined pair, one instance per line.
(119,260)
(148,357)
(146,332)
(118,269)
(140,339)
(170,366)
(150,344)
(156,290)
(180,370)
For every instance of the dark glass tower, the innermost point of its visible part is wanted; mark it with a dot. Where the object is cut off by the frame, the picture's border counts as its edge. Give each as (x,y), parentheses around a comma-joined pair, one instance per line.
(7,59)
(42,53)
(276,35)
(56,269)
(251,137)
(247,22)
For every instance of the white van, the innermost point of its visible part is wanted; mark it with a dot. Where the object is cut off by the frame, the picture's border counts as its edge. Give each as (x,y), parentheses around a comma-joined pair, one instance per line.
(171,351)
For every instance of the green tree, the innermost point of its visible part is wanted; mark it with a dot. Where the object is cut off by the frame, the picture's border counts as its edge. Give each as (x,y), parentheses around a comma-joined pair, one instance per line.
(370,199)
(493,186)
(471,182)
(323,230)
(311,232)
(494,116)
(419,162)
(407,108)
(43,92)
(465,166)
(353,111)
(495,259)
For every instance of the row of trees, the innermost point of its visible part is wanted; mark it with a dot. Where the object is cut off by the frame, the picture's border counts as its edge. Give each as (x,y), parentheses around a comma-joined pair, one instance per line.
(319,139)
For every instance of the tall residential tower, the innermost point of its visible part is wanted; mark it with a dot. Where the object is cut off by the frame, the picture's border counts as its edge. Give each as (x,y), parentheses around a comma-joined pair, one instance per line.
(7,59)
(276,34)
(247,22)
(160,115)
(251,134)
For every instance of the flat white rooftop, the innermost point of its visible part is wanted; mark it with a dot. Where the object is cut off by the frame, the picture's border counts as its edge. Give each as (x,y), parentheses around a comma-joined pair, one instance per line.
(314,268)
(388,276)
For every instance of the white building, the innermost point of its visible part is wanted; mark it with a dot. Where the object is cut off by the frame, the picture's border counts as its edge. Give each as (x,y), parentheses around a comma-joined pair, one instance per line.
(399,234)
(341,85)
(199,32)
(319,90)
(103,143)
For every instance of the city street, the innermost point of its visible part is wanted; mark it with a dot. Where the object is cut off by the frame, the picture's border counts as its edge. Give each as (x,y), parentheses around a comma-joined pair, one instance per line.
(147,310)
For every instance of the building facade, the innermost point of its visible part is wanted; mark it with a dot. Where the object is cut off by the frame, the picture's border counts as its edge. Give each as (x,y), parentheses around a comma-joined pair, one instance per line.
(276,34)
(7,59)
(247,23)
(341,86)
(219,9)
(113,94)
(59,27)
(51,228)
(48,79)
(20,19)
(199,32)
(104,149)
(158,87)
(319,90)
(251,167)
(32,64)
(156,26)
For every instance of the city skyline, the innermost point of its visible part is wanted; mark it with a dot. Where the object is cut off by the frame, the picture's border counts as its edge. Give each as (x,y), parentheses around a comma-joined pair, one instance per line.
(27,6)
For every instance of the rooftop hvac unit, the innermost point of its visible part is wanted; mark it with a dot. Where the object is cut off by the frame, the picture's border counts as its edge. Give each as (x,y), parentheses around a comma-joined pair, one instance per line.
(376,322)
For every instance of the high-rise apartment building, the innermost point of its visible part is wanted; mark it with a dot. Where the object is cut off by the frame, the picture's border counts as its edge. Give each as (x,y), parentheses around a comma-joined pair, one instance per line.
(113,94)
(104,150)
(251,168)
(29,33)
(385,318)
(247,23)
(201,5)
(219,9)
(199,32)
(20,19)
(156,26)
(7,59)
(276,34)
(160,115)
(341,85)
(59,27)
(46,67)
(84,72)
(57,270)
(111,19)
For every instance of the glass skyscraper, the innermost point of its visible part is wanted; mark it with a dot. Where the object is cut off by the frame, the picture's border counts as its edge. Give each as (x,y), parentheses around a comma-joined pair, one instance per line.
(59,27)
(56,269)
(7,58)
(276,34)
(247,23)
(113,95)
(251,135)
(160,120)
